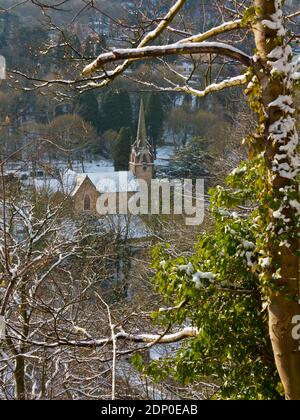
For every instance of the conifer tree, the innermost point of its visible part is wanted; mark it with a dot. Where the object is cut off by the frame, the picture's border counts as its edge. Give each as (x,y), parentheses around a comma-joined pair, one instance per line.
(154,119)
(121,149)
(88,108)
(116,111)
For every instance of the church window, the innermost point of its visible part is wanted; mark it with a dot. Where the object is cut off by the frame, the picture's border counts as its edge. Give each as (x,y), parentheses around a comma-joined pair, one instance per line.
(87,203)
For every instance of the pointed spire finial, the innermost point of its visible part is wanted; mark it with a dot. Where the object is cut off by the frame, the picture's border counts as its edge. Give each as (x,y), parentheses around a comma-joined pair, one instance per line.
(141,139)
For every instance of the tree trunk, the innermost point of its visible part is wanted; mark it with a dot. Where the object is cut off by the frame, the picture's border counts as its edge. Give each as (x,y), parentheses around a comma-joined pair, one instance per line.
(284,299)
(20,378)
(286,348)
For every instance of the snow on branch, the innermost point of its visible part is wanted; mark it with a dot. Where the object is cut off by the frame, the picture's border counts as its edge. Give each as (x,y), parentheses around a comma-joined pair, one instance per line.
(185,333)
(163,24)
(188,332)
(151,36)
(217,30)
(172,49)
(214,87)
(293,15)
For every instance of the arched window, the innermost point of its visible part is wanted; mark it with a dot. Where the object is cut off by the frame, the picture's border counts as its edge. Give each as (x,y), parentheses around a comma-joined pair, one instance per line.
(87,203)
(145,158)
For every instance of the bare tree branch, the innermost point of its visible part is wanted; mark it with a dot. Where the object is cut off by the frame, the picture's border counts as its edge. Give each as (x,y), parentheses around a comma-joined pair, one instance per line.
(217,30)
(214,87)
(188,332)
(172,49)
(148,38)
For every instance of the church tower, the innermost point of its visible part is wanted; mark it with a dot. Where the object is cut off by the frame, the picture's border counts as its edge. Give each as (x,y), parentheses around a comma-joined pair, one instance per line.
(141,157)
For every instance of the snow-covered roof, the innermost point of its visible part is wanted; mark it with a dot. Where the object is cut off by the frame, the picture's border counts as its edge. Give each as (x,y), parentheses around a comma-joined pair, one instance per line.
(110,182)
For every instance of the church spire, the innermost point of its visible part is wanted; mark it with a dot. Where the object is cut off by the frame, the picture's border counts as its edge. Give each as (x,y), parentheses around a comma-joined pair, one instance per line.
(141,158)
(141,140)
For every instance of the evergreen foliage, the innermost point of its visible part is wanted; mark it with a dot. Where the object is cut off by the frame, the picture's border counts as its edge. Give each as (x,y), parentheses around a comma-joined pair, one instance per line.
(154,119)
(218,291)
(88,108)
(116,111)
(121,149)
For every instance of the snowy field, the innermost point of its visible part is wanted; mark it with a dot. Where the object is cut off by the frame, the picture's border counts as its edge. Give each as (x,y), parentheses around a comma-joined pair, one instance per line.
(164,154)
(56,176)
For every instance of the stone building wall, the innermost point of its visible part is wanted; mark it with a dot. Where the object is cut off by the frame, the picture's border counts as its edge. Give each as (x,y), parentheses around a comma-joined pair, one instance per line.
(142,171)
(87,189)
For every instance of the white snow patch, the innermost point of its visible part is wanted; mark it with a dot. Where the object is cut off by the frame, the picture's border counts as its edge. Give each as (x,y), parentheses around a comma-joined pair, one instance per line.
(249,256)
(189,269)
(248,245)
(265,262)
(163,263)
(296,205)
(199,275)
(283,102)
(280,57)
(237,171)
(277,214)
(2,328)
(164,155)
(285,243)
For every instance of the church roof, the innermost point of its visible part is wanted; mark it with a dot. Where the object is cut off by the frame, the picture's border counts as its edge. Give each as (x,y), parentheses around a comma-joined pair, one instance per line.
(110,182)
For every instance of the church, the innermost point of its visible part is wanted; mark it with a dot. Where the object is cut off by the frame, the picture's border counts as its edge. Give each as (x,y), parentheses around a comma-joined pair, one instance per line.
(89,186)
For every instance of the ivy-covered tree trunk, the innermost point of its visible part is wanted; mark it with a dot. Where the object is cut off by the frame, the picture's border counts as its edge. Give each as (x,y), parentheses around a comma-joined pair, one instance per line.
(279,139)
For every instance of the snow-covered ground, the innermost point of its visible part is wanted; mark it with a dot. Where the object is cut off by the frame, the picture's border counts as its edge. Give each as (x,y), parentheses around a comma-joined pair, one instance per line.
(94,166)
(90,166)
(57,177)
(164,154)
